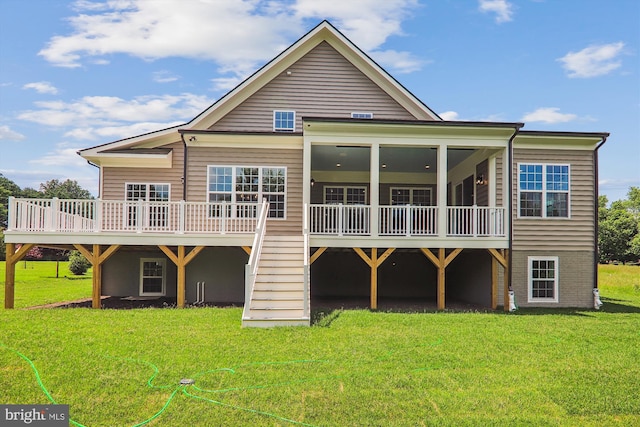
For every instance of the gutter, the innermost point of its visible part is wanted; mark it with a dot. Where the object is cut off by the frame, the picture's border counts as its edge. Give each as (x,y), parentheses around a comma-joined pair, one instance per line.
(596,216)
(184,167)
(510,195)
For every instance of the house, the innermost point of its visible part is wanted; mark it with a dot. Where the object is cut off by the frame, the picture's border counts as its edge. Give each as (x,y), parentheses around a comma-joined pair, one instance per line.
(320,176)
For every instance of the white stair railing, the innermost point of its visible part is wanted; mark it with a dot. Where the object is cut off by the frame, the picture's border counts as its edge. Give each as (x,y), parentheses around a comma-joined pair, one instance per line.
(251,268)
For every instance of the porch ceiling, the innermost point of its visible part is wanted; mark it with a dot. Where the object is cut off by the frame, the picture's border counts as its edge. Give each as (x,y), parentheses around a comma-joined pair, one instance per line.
(396,159)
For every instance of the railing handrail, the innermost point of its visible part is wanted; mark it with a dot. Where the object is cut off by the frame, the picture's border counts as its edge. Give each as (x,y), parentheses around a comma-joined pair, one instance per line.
(254,258)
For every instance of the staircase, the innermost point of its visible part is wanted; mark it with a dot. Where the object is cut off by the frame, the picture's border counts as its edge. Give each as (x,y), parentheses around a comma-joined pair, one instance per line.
(278,294)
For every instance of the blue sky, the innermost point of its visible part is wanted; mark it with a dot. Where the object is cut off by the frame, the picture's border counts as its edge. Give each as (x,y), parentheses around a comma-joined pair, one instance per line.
(74,74)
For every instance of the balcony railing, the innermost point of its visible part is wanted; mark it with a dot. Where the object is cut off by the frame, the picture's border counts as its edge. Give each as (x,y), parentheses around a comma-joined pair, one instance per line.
(85,216)
(467,221)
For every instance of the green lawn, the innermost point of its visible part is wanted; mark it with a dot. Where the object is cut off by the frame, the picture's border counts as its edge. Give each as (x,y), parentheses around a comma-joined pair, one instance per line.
(37,284)
(354,368)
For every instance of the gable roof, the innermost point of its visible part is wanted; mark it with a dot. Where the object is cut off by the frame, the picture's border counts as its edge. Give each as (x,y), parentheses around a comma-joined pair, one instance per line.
(322,32)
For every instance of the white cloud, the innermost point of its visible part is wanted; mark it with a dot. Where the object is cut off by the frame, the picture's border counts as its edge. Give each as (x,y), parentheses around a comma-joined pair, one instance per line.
(236,35)
(502,8)
(118,132)
(41,87)
(62,155)
(398,62)
(9,135)
(548,115)
(593,61)
(113,111)
(449,115)
(164,76)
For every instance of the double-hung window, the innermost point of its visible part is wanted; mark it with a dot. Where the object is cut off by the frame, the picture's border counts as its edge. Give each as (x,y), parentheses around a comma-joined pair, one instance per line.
(245,187)
(543,279)
(543,190)
(284,121)
(152,276)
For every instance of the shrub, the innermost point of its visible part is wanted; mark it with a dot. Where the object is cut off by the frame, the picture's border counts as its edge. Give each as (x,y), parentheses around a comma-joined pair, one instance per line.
(78,264)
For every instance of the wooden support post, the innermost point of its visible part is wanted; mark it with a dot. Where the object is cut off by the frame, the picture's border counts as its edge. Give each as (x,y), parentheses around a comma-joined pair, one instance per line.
(494,283)
(374,262)
(12,257)
(441,262)
(316,255)
(247,249)
(96,257)
(181,260)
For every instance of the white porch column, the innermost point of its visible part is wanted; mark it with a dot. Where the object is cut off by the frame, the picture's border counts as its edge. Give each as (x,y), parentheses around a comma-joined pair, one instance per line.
(442,190)
(492,181)
(375,188)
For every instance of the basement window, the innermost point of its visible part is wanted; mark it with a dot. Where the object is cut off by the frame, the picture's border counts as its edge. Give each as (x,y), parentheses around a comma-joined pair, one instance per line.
(152,276)
(543,279)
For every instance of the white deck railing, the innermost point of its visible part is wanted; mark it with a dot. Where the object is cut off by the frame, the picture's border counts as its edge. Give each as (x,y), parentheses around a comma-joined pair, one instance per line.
(466,221)
(84,216)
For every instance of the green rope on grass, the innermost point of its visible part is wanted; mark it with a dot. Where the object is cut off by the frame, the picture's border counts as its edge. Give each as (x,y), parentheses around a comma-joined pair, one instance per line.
(184,387)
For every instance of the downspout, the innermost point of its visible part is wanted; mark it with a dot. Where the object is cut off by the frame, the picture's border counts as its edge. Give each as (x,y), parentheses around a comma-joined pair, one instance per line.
(596,227)
(184,168)
(99,176)
(510,154)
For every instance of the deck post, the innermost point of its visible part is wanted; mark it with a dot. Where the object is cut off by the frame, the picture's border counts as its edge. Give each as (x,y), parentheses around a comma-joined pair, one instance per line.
(181,260)
(374,262)
(12,258)
(494,283)
(507,279)
(441,279)
(96,257)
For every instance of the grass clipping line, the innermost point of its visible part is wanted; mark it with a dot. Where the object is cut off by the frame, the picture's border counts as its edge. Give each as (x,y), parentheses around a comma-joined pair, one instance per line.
(184,387)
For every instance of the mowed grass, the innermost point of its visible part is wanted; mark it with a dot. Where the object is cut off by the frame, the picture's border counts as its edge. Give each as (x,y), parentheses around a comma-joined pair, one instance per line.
(36,283)
(353,368)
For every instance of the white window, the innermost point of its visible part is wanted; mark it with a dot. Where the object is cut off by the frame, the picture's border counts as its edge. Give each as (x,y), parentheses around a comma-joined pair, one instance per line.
(543,190)
(152,214)
(284,121)
(345,195)
(247,185)
(152,276)
(410,196)
(543,279)
(361,115)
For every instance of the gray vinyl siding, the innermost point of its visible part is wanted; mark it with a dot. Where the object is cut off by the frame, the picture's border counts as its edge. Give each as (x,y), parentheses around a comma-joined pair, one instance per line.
(322,83)
(199,158)
(575,278)
(570,234)
(114,179)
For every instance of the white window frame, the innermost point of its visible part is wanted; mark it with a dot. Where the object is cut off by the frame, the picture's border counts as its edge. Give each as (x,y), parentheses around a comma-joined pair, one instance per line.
(126,221)
(284,129)
(362,115)
(261,194)
(411,189)
(344,194)
(544,191)
(161,261)
(530,280)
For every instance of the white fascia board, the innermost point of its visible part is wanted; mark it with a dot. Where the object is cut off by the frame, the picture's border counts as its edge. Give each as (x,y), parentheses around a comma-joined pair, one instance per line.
(150,140)
(405,134)
(124,160)
(557,142)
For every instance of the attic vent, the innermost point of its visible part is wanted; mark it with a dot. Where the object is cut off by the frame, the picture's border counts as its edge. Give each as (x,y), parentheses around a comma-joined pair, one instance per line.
(361,115)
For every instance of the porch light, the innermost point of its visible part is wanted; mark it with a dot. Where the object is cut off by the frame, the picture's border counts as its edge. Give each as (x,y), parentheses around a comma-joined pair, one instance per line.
(338,165)
(427,166)
(480,180)
(313,182)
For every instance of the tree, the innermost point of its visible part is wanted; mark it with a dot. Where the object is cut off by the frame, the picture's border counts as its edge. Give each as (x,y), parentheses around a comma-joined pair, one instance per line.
(64,190)
(78,264)
(619,228)
(7,188)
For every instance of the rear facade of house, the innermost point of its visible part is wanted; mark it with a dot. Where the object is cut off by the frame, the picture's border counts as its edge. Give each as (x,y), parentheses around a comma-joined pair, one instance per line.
(320,179)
